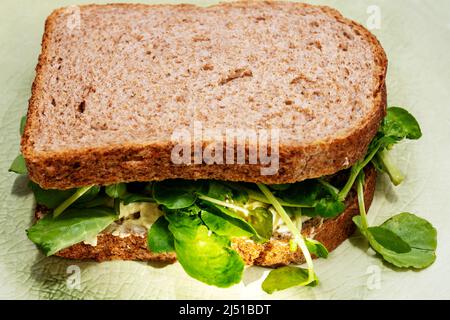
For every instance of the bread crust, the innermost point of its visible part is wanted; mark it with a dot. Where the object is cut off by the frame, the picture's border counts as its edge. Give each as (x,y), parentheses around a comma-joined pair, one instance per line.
(276,252)
(152,162)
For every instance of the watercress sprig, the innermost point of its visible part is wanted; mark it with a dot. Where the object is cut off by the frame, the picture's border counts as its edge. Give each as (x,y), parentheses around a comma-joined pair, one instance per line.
(404,240)
(297,236)
(74,197)
(398,124)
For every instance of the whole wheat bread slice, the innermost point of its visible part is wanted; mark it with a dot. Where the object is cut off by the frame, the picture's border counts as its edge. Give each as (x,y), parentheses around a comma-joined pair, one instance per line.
(276,252)
(114,81)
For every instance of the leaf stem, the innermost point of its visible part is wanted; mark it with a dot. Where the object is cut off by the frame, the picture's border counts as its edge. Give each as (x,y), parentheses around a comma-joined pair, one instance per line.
(224,204)
(258,196)
(298,237)
(66,203)
(332,189)
(394,173)
(361,205)
(355,170)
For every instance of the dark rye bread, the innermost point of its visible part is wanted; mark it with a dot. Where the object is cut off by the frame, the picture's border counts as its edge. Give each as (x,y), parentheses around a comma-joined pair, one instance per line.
(274,253)
(109,92)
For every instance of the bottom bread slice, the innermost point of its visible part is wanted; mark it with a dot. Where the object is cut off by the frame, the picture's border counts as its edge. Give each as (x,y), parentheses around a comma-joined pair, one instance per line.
(276,252)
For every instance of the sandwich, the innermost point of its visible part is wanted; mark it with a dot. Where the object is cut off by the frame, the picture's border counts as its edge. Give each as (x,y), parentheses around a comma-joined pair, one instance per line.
(244,133)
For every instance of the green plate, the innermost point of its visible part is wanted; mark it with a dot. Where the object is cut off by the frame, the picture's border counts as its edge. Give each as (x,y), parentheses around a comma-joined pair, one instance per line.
(416,36)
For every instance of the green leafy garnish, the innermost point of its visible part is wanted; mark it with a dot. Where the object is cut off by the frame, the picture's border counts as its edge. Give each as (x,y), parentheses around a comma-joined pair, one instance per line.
(297,236)
(135,197)
(51,198)
(405,240)
(287,277)
(224,225)
(139,192)
(90,195)
(18,166)
(219,191)
(383,163)
(176,194)
(54,234)
(328,207)
(280,187)
(223,203)
(317,197)
(303,193)
(398,124)
(316,248)
(98,201)
(389,239)
(90,192)
(233,218)
(189,211)
(204,255)
(116,190)
(23,121)
(262,221)
(159,237)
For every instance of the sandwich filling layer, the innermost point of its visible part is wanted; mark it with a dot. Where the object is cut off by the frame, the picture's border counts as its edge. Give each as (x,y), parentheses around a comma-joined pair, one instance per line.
(237,208)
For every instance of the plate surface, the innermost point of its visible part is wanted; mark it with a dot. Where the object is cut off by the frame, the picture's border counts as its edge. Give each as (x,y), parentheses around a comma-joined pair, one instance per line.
(416,37)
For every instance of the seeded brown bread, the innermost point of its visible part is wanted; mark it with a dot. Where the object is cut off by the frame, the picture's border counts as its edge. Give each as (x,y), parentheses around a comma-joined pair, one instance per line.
(114,81)
(276,252)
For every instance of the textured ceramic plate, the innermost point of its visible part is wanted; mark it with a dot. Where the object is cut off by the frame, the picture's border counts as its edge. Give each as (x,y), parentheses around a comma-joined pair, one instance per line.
(416,36)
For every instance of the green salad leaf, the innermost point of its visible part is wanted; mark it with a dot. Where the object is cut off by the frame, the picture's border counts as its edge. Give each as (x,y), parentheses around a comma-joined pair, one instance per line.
(54,234)
(51,198)
(262,221)
(189,211)
(318,198)
(18,165)
(400,124)
(383,163)
(297,238)
(224,225)
(176,194)
(329,208)
(280,187)
(316,248)
(204,255)
(389,239)
(233,218)
(135,197)
(304,193)
(81,194)
(23,122)
(286,277)
(419,234)
(116,190)
(404,240)
(98,201)
(219,191)
(159,237)
(89,195)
